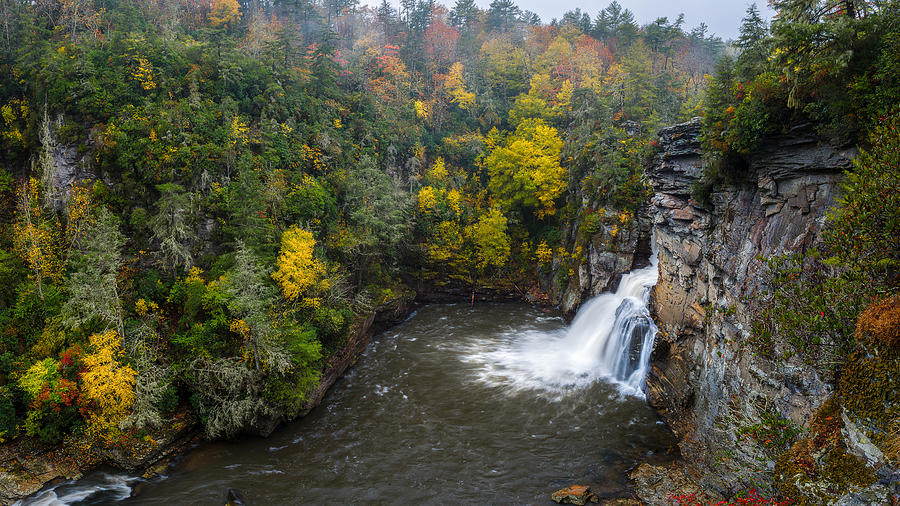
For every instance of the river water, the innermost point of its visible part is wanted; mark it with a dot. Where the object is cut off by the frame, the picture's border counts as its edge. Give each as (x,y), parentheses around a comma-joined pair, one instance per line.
(439,410)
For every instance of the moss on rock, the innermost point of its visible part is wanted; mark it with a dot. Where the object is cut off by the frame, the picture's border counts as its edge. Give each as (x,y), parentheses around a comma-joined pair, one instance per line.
(818,469)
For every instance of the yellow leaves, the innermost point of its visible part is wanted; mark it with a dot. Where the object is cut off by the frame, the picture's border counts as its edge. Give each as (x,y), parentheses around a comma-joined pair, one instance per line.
(143,73)
(544,253)
(490,239)
(453,202)
(447,242)
(427,199)
(526,171)
(14,114)
(34,379)
(455,85)
(299,272)
(36,239)
(224,13)
(422,109)
(79,213)
(143,307)
(107,383)
(438,171)
(311,302)
(241,328)
(239,132)
(564,97)
(313,158)
(194,276)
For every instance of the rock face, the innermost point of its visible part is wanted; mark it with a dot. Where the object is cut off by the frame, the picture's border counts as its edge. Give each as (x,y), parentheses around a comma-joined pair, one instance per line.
(705,380)
(594,263)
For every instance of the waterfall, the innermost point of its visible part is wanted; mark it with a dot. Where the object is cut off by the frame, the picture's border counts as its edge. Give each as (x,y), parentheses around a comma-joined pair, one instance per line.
(613,334)
(610,339)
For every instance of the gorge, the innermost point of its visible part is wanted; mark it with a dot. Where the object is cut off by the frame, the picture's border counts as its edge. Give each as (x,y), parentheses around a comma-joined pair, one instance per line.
(322,250)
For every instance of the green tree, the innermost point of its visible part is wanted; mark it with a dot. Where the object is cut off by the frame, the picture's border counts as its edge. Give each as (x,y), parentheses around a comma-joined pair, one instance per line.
(754,31)
(172,229)
(92,285)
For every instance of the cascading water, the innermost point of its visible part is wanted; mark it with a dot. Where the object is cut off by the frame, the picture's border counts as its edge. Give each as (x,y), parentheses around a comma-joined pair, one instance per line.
(613,332)
(611,338)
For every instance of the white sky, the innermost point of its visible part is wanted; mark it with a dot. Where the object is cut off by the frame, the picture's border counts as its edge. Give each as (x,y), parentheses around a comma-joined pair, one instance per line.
(722,16)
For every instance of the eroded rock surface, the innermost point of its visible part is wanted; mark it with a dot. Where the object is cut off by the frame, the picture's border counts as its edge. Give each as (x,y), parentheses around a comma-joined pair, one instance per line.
(705,379)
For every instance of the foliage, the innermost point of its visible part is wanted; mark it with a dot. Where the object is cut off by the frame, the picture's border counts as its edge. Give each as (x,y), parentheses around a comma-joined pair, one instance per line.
(107,385)
(490,238)
(814,303)
(865,226)
(525,170)
(299,272)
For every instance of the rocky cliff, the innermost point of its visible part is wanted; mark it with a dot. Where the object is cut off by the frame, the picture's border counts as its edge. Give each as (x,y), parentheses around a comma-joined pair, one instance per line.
(706,381)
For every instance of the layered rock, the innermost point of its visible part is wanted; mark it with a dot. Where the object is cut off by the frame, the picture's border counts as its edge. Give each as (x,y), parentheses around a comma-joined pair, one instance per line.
(705,379)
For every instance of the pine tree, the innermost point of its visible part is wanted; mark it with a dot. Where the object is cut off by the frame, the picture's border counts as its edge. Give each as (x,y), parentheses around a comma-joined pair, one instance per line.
(172,229)
(92,285)
(754,31)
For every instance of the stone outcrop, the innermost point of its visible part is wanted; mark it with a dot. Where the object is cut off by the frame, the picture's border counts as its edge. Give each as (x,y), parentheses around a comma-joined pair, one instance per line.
(594,263)
(705,380)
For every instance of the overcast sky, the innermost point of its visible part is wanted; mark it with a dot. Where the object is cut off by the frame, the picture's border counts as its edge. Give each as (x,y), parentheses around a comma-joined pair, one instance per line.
(722,16)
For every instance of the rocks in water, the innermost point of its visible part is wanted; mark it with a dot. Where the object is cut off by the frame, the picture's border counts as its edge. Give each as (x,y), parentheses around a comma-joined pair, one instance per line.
(234,497)
(576,494)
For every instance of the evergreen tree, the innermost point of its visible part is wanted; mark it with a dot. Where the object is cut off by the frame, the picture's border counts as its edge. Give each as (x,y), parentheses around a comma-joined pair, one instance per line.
(464,14)
(615,26)
(172,230)
(754,31)
(503,15)
(92,285)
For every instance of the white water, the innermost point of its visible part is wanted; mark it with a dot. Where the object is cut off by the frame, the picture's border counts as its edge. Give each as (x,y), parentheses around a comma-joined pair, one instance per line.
(610,339)
(101,487)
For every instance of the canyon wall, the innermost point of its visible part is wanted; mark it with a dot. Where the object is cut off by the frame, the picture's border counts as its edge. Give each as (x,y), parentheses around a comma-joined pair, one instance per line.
(705,380)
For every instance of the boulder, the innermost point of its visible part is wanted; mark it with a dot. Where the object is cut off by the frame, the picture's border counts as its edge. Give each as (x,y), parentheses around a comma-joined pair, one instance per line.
(576,494)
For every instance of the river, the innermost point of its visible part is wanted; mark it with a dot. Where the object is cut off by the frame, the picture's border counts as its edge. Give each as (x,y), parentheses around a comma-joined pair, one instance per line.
(497,403)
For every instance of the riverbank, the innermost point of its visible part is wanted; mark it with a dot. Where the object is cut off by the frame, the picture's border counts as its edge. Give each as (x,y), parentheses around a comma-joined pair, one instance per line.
(27,465)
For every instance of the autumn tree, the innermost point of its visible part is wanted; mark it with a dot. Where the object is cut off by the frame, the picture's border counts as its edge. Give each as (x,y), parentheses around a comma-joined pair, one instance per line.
(299,272)
(525,170)
(36,237)
(224,13)
(107,385)
(490,238)
(455,86)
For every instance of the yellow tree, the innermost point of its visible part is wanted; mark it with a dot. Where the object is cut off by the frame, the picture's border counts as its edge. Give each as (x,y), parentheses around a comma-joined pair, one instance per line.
(491,241)
(299,271)
(526,172)
(36,239)
(455,86)
(224,13)
(107,384)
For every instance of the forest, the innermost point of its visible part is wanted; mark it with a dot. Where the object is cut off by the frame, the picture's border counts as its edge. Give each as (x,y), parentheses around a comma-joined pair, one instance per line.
(201,199)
